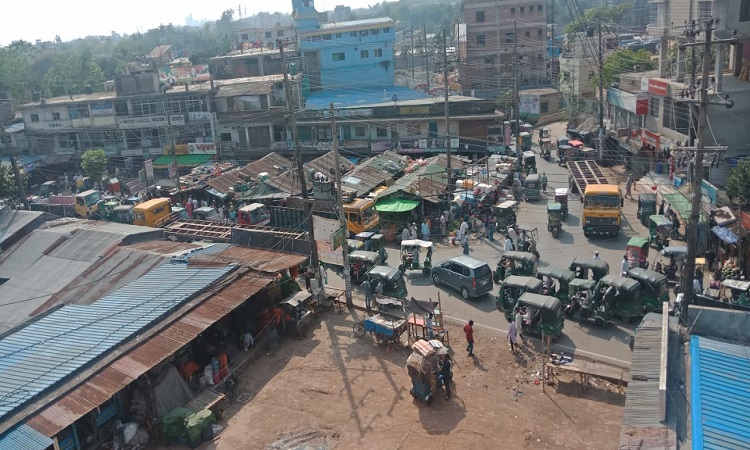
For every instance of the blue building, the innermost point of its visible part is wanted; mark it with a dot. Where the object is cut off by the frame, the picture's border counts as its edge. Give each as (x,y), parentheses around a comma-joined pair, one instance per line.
(344,55)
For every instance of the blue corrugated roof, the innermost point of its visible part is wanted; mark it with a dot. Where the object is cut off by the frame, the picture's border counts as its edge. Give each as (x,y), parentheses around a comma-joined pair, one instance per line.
(54,347)
(725,235)
(345,99)
(23,437)
(720,394)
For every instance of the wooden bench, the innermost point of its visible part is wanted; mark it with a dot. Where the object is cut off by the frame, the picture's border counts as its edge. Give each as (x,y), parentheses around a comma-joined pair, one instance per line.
(586,370)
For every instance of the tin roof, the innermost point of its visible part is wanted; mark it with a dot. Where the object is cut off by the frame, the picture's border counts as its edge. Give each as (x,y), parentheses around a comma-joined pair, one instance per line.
(373,172)
(287,181)
(272,163)
(720,399)
(247,86)
(267,261)
(23,437)
(14,223)
(51,349)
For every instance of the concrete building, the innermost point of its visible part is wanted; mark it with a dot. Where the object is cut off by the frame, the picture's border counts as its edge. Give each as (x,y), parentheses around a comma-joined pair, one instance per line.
(250,63)
(486,58)
(537,103)
(577,66)
(265,37)
(344,55)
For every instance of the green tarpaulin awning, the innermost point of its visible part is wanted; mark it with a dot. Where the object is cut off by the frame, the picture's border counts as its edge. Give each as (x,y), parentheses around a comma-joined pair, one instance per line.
(683,206)
(182,160)
(396,205)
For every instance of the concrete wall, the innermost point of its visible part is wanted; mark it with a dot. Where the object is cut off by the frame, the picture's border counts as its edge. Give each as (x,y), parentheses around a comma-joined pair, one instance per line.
(718,323)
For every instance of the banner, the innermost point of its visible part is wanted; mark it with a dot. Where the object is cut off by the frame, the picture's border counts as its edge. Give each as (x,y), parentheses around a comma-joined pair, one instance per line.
(129,123)
(172,169)
(149,166)
(201,149)
(179,149)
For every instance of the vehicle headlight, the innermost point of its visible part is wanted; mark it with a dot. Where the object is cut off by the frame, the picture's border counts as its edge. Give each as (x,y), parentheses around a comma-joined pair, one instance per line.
(588,221)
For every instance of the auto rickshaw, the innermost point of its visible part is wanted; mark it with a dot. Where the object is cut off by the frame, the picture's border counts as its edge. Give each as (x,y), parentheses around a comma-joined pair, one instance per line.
(554,218)
(423,367)
(574,154)
(659,230)
(511,289)
(646,207)
(562,140)
(637,251)
(392,279)
(524,140)
(527,128)
(563,153)
(671,261)
(410,250)
(527,239)
(622,294)
(299,312)
(360,262)
(561,197)
(529,162)
(738,290)
(122,214)
(654,288)
(556,281)
(546,315)
(507,214)
(585,304)
(354,244)
(581,268)
(533,187)
(374,242)
(515,263)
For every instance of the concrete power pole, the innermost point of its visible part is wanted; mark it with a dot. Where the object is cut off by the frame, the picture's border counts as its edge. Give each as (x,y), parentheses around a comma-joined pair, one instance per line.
(340,210)
(449,164)
(601,95)
(298,159)
(515,81)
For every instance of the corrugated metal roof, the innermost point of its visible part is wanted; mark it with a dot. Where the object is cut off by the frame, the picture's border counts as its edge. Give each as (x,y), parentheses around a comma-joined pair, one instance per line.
(163,247)
(273,164)
(129,367)
(432,173)
(364,23)
(267,261)
(720,398)
(51,349)
(23,437)
(248,87)
(373,172)
(13,222)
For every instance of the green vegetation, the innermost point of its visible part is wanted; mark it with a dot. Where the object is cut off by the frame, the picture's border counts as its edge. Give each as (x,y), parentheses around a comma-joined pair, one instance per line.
(738,184)
(94,163)
(622,61)
(610,17)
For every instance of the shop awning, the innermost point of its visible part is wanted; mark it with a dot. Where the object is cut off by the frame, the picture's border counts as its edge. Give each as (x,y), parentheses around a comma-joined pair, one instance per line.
(725,235)
(396,205)
(182,160)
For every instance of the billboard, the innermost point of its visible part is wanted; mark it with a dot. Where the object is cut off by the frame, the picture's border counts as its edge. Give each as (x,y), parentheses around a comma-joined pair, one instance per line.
(184,74)
(528,104)
(149,166)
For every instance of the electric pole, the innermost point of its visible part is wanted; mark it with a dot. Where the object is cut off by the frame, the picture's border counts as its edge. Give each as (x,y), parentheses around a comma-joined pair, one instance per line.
(447,112)
(426,58)
(601,96)
(515,82)
(340,210)
(298,159)
(413,77)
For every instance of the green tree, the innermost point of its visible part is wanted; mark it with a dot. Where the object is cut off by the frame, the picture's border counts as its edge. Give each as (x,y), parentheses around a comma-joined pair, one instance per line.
(608,16)
(622,61)
(94,163)
(14,69)
(738,184)
(8,188)
(72,73)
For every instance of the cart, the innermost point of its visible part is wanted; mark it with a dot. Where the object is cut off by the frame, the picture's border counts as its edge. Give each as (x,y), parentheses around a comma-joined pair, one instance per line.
(386,329)
(423,366)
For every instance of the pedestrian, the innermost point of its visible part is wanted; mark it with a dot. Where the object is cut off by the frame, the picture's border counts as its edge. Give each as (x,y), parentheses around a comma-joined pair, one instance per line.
(425,230)
(629,186)
(465,243)
(442,224)
(676,224)
(469,331)
(429,326)
(625,265)
(544,182)
(661,208)
(379,287)
(596,255)
(700,276)
(405,234)
(492,227)
(512,336)
(447,375)
(518,320)
(666,210)
(323,275)
(514,237)
(413,231)
(508,244)
(696,285)
(463,229)
(368,293)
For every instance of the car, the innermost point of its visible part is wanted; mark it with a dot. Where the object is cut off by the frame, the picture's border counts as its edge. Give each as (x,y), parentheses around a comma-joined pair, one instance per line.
(470,276)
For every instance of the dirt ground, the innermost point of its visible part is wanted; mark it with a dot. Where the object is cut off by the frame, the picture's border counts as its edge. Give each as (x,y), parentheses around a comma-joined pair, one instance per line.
(334,391)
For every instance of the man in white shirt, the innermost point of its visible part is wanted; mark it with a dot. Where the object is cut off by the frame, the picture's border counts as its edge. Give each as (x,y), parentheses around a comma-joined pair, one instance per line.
(508,244)
(406,234)
(513,237)
(463,229)
(696,285)
(625,265)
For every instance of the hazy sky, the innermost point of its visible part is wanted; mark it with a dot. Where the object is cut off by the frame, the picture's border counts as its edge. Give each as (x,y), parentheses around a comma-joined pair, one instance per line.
(44,19)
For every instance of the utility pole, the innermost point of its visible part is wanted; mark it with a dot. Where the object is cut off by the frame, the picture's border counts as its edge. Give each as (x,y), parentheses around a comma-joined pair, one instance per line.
(426,58)
(340,210)
(601,96)
(447,112)
(515,81)
(298,159)
(413,77)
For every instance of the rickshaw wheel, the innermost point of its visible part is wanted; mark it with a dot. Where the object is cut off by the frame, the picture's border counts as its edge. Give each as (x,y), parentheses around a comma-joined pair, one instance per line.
(428,400)
(401,268)
(536,253)
(599,322)
(359,329)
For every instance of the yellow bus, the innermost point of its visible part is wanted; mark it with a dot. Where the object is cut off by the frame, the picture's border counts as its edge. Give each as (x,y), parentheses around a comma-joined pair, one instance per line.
(148,213)
(361,216)
(601,209)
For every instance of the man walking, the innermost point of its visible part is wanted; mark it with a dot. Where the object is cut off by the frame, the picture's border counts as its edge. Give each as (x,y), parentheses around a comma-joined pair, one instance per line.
(512,337)
(518,321)
(425,230)
(469,331)
(465,243)
(629,186)
(625,268)
(508,244)
(447,376)
(368,293)
(544,182)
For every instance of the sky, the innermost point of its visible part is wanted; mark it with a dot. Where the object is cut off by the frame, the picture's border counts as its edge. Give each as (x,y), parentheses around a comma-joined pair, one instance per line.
(45,19)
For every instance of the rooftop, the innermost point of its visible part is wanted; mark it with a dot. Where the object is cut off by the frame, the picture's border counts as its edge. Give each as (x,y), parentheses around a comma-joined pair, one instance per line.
(363,24)
(373,172)
(247,53)
(102,96)
(247,86)
(361,99)
(272,164)
(14,223)
(539,91)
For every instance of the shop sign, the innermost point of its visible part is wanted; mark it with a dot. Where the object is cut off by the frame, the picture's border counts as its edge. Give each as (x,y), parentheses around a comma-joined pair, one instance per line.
(201,149)
(380,146)
(409,110)
(745,220)
(177,119)
(641,103)
(651,138)
(110,150)
(709,190)
(57,125)
(101,109)
(155,151)
(179,149)
(353,112)
(65,151)
(354,145)
(129,123)
(199,115)
(658,87)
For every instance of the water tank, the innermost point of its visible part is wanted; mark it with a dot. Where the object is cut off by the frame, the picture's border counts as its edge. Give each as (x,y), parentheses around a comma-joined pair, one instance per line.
(263,176)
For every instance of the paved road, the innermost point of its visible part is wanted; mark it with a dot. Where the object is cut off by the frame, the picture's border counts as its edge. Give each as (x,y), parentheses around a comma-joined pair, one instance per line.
(609,342)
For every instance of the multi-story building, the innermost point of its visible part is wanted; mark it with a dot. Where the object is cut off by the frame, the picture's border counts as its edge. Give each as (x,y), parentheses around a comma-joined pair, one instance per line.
(344,55)
(577,66)
(250,63)
(265,37)
(494,30)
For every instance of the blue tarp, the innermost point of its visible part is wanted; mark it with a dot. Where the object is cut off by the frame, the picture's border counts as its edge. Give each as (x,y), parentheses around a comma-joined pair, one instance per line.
(725,235)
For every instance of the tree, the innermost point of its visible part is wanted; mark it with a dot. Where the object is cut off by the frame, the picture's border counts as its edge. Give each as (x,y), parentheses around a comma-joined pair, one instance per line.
(738,184)
(71,73)
(14,70)
(622,61)
(608,16)
(94,163)
(8,188)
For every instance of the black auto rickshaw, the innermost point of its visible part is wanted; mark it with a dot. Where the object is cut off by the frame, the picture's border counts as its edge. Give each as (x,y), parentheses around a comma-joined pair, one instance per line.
(299,311)
(563,153)
(507,214)
(360,262)
(622,295)
(546,315)
(637,252)
(511,289)
(646,207)
(659,231)
(654,288)
(581,268)
(122,214)
(585,304)
(529,162)
(374,242)
(555,281)
(561,197)
(562,140)
(515,263)
(533,187)
(392,280)
(554,218)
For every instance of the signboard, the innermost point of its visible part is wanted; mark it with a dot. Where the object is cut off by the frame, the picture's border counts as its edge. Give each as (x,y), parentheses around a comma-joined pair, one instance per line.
(621,99)
(745,220)
(528,104)
(195,116)
(155,151)
(172,167)
(354,145)
(352,112)
(149,166)
(129,123)
(65,151)
(179,149)
(651,138)
(328,256)
(380,146)
(177,119)
(182,74)
(709,190)
(110,150)
(337,239)
(101,109)
(57,125)
(641,103)
(658,87)
(137,152)
(409,110)
(201,149)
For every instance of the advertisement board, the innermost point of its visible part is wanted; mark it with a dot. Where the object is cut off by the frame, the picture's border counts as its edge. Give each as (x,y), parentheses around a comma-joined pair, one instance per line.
(179,149)
(528,104)
(177,119)
(149,166)
(129,123)
(201,149)
(658,87)
(195,116)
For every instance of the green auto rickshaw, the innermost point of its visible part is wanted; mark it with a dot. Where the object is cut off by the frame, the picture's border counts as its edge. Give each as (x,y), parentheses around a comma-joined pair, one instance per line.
(659,231)
(533,187)
(654,288)
(555,281)
(374,242)
(637,252)
(582,266)
(507,214)
(360,262)
(554,218)
(546,315)
(511,289)
(622,295)
(646,207)
(391,278)
(529,162)
(515,263)
(524,141)
(586,304)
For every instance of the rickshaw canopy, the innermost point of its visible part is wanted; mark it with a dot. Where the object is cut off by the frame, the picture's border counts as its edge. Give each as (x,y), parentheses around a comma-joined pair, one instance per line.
(638,242)
(595,265)
(674,250)
(562,140)
(738,285)
(564,148)
(524,257)
(508,204)
(659,220)
(580,283)
(651,277)
(558,273)
(364,256)
(365,235)
(384,273)
(532,178)
(561,192)
(647,198)
(554,207)
(416,243)
(530,284)
(527,155)
(622,283)
(543,303)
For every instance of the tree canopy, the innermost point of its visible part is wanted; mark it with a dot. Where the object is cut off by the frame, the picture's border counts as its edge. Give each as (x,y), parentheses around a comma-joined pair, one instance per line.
(8,188)
(738,183)
(622,61)
(608,16)
(94,163)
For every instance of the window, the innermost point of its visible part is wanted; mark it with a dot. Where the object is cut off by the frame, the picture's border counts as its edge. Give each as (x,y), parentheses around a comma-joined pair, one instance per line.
(382,132)
(479,16)
(377,53)
(353,34)
(512,10)
(326,37)
(226,137)
(745,11)
(375,32)
(55,116)
(364,53)
(528,33)
(360,131)
(480,39)
(269,34)
(653,106)
(488,63)
(509,38)
(539,7)
(543,107)
(539,32)
(386,30)
(521,9)
(531,8)
(78,112)
(34,117)
(340,56)
(704,10)
(280,33)
(539,57)
(364,33)
(338,35)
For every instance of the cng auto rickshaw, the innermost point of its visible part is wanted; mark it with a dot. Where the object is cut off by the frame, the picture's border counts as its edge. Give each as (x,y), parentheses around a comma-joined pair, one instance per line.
(654,288)
(581,268)
(511,289)
(556,281)
(373,242)
(515,263)
(533,187)
(507,214)
(585,304)
(562,140)
(646,207)
(524,140)
(527,239)
(563,153)
(622,294)
(671,261)
(360,262)
(659,231)
(529,162)
(410,250)
(546,315)
(545,143)
(554,218)
(392,280)
(637,252)
(561,197)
